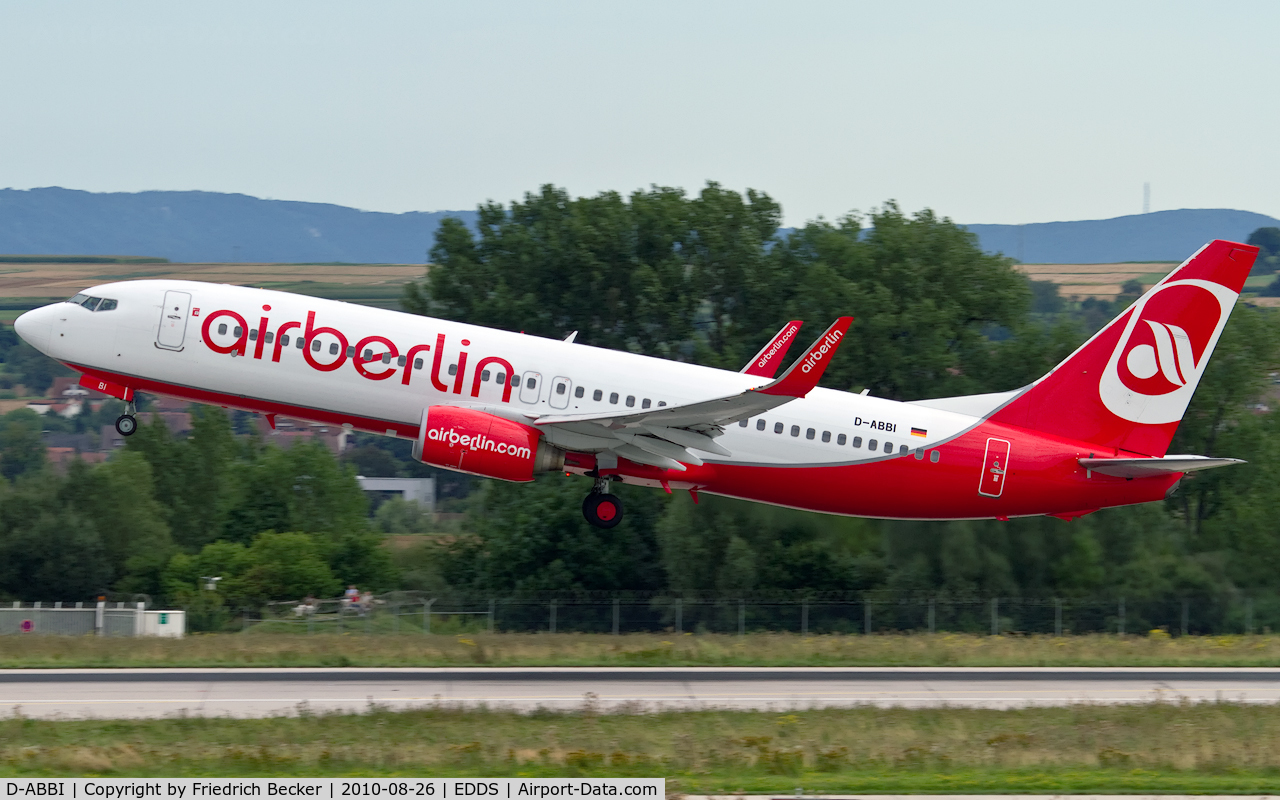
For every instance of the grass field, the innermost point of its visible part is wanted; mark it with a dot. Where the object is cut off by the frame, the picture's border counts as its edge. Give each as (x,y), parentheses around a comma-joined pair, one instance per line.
(1157,747)
(541,649)
(28,285)
(1102,281)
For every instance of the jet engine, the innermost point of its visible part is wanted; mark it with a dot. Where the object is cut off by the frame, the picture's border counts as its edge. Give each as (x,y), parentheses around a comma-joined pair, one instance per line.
(483,444)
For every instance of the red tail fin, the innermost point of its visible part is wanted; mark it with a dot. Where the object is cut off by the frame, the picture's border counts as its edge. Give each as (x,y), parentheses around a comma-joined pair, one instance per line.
(1128,387)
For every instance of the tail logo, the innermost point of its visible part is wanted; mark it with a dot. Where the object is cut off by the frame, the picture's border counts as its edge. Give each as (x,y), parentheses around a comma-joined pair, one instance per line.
(1167,340)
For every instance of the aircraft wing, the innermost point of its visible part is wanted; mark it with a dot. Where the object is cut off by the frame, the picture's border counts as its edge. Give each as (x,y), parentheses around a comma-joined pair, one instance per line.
(662,436)
(765,363)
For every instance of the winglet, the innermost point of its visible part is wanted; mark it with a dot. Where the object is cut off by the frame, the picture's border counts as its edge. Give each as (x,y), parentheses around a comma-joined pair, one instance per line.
(765,363)
(803,375)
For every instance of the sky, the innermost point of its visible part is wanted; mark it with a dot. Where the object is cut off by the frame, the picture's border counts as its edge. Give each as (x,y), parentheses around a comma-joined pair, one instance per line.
(986,112)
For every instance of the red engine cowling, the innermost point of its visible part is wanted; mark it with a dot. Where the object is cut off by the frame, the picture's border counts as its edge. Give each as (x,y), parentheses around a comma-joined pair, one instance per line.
(483,444)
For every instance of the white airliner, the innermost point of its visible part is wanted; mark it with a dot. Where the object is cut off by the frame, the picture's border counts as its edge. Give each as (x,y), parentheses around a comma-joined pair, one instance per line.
(1092,433)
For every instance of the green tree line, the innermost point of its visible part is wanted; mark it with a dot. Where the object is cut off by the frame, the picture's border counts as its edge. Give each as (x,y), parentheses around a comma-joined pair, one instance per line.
(165,512)
(708,278)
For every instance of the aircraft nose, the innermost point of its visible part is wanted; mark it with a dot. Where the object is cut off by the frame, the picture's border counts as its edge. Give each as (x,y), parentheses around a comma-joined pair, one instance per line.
(34,327)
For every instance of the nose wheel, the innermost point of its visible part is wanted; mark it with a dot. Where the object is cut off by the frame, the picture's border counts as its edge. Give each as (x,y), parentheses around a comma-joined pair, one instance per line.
(127,422)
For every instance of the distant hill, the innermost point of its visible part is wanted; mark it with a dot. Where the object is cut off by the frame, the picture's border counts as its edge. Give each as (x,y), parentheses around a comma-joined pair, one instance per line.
(208,226)
(1158,236)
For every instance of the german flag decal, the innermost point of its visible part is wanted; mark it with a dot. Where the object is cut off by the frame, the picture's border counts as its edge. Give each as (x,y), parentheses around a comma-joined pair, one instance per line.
(919,432)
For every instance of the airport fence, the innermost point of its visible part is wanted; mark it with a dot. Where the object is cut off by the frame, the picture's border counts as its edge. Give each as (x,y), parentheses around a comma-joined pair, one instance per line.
(414,613)
(83,619)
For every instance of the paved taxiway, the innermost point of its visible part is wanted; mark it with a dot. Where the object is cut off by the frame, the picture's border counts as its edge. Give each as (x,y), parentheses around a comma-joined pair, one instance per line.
(259,692)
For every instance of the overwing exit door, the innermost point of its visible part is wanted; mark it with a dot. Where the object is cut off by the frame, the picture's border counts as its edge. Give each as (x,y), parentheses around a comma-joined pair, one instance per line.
(173,320)
(995,468)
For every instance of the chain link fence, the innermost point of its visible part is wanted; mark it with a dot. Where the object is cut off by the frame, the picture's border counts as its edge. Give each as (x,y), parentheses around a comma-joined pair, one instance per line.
(409,612)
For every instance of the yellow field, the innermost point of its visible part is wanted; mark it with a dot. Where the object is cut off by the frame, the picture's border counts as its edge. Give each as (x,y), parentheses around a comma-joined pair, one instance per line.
(1102,281)
(59,280)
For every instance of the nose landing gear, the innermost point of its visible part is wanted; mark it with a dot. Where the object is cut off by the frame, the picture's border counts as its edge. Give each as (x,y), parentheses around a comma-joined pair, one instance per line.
(601,509)
(127,422)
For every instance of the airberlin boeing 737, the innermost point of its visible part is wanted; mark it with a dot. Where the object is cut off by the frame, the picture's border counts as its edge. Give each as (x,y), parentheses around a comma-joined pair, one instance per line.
(1092,433)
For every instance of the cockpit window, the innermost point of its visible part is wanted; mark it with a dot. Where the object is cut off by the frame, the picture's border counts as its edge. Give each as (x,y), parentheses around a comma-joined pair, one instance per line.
(93,303)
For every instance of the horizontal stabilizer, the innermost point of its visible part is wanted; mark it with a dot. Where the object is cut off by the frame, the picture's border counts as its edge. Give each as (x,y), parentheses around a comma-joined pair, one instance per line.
(1151,467)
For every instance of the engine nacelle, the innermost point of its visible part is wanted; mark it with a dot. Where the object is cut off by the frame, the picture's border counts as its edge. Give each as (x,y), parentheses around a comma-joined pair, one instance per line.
(483,444)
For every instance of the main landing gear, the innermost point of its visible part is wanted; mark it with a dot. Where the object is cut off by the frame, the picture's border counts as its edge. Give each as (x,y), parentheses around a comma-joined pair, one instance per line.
(127,422)
(602,510)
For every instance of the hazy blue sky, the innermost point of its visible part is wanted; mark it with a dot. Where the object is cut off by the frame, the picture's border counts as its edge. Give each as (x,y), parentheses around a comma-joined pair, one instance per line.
(985,112)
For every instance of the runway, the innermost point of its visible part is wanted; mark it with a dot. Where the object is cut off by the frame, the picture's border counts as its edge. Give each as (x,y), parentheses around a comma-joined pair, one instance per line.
(122,693)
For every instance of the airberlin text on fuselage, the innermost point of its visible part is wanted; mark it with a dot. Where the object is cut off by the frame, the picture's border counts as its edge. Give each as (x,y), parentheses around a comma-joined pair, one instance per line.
(383,345)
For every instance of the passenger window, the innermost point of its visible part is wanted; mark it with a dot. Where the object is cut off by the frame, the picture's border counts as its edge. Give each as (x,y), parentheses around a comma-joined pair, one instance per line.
(222,329)
(284,340)
(795,430)
(270,336)
(826,436)
(333,349)
(742,424)
(857,441)
(253,334)
(560,387)
(386,357)
(645,403)
(107,305)
(579,392)
(597,394)
(531,383)
(417,363)
(351,351)
(402,360)
(888,447)
(453,370)
(760,423)
(840,439)
(903,450)
(301,343)
(500,378)
(515,381)
(484,375)
(777,427)
(237,332)
(368,355)
(873,445)
(934,456)
(661,403)
(919,454)
(315,345)
(613,398)
(809,434)
(631,401)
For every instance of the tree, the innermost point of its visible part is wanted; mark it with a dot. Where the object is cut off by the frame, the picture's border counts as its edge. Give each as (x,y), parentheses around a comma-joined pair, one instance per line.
(119,497)
(21,449)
